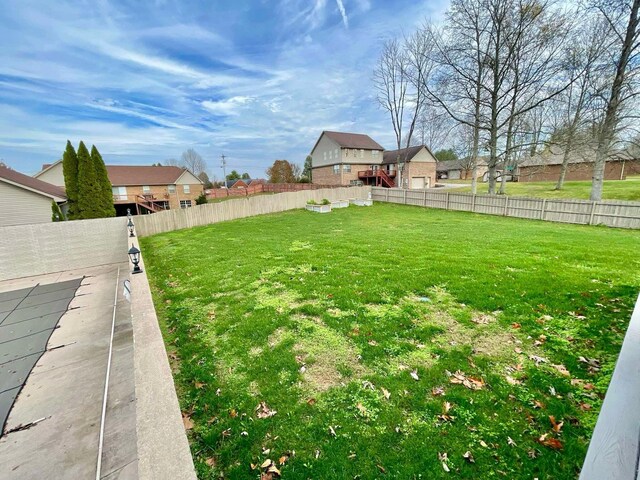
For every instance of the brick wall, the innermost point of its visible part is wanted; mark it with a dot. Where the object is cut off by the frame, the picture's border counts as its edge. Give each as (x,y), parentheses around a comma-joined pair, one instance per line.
(325,176)
(161,193)
(580,171)
(421,169)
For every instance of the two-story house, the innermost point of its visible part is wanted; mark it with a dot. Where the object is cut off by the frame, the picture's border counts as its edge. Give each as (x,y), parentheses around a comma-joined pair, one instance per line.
(340,158)
(142,189)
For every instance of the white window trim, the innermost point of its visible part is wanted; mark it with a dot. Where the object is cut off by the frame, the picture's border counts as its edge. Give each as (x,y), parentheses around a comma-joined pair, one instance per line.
(171,188)
(186,188)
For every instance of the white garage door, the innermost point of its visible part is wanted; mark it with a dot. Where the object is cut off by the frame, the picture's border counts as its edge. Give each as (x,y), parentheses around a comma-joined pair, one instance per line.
(417,182)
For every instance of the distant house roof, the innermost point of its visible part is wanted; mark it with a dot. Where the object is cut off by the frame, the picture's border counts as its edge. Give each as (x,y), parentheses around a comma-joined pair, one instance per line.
(33,184)
(555,156)
(232,183)
(391,156)
(351,140)
(122,175)
(461,164)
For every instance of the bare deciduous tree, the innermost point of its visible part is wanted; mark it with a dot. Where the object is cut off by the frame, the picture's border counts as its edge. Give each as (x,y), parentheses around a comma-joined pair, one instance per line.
(193,161)
(623,18)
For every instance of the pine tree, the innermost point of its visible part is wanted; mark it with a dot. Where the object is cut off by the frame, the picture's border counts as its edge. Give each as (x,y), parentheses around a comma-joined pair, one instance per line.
(88,185)
(70,172)
(104,199)
(56,213)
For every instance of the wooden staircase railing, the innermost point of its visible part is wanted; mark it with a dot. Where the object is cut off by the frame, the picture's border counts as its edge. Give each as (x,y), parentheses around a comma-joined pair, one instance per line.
(151,205)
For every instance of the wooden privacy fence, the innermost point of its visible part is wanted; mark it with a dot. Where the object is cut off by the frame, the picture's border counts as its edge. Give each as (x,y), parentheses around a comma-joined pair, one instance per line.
(265,188)
(169,220)
(610,213)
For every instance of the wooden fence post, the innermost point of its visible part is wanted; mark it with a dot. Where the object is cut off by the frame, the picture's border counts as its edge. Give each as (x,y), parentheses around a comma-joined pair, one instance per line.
(424,198)
(593,211)
(405,196)
(447,205)
(506,206)
(544,204)
(473,203)
(387,195)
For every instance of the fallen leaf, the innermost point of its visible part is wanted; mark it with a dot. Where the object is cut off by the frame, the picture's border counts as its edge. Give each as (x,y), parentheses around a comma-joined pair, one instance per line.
(556,426)
(515,325)
(332,431)
(414,375)
(550,442)
(263,411)
(445,467)
(484,444)
(381,468)
(538,360)
(186,421)
(386,393)
(468,457)
(311,401)
(511,442)
(266,476)
(362,409)
(517,350)
(282,460)
(512,381)
(273,469)
(210,461)
(266,463)
(226,433)
(562,369)
(233,413)
(471,383)
(538,404)
(437,391)
(585,407)
(446,406)
(588,386)
(199,385)
(244,433)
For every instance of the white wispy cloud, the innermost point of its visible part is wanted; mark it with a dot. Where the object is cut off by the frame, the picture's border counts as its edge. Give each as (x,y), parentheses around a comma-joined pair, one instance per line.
(229,106)
(343,13)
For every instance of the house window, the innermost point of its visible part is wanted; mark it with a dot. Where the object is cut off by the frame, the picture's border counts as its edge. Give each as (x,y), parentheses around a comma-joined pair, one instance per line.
(171,188)
(337,155)
(346,152)
(361,153)
(186,188)
(185,203)
(346,168)
(146,189)
(336,169)
(374,153)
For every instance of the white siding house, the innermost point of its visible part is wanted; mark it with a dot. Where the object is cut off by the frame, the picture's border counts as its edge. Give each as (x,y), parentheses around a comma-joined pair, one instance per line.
(25,199)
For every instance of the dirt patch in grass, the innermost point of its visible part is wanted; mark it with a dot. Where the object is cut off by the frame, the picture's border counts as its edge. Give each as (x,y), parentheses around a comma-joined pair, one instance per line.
(326,358)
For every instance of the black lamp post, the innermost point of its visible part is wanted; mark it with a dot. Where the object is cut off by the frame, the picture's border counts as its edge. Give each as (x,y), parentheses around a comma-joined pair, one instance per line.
(134,254)
(131,225)
(129,213)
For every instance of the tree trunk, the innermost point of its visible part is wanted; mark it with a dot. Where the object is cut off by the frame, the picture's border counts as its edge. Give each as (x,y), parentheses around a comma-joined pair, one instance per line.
(565,161)
(608,127)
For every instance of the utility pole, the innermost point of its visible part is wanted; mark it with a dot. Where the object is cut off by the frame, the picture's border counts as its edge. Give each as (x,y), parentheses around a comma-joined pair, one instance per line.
(224,168)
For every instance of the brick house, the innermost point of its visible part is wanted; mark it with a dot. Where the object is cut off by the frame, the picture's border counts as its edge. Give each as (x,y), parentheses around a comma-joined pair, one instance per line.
(340,158)
(546,167)
(143,189)
(415,166)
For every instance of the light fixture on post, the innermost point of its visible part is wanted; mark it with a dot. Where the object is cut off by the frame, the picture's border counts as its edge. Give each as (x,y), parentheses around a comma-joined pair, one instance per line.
(131,225)
(134,255)
(129,213)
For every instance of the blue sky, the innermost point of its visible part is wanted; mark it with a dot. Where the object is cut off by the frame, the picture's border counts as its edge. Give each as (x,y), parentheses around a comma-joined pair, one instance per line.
(144,81)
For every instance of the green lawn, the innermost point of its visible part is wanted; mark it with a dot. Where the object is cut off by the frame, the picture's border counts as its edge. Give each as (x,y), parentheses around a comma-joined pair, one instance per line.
(392,341)
(628,189)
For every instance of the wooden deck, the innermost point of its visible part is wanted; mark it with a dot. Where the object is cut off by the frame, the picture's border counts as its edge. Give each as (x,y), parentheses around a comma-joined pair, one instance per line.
(614,451)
